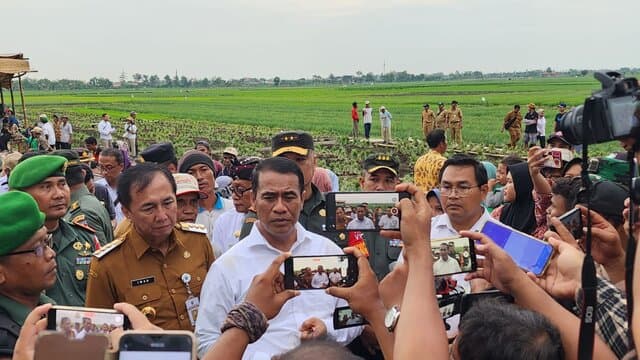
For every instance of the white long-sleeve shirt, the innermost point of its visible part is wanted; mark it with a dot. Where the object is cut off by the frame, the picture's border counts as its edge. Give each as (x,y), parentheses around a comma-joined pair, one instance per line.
(105,129)
(226,231)
(229,279)
(47,130)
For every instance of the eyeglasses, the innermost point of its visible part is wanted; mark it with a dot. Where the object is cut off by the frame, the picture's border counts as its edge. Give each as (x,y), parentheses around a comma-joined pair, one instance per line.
(239,190)
(38,250)
(106,167)
(461,191)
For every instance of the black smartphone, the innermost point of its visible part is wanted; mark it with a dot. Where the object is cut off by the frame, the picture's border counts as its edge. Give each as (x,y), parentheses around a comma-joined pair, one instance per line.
(572,220)
(468,300)
(453,256)
(529,253)
(320,272)
(449,306)
(344,317)
(165,345)
(363,211)
(77,322)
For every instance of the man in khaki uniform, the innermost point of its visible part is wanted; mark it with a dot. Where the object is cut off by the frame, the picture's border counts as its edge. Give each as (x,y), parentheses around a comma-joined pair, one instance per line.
(513,124)
(158,266)
(428,120)
(454,121)
(441,117)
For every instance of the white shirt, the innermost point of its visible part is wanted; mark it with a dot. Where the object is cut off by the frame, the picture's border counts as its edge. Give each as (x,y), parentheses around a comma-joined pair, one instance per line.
(389,222)
(364,224)
(542,122)
(335,277)
(320,281)
(113,194)
(131,133)
(209,218)
(229,279)
(47,130)
(65,132)
(367,118)
(446,267)
(226,231)
(4,184)
(105,129)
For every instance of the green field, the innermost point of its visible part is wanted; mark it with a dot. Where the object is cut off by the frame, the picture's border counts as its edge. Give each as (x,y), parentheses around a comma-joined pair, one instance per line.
(246,117)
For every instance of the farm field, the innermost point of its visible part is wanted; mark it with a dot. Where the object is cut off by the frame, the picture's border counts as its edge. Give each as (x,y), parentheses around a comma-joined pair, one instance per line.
(247,117)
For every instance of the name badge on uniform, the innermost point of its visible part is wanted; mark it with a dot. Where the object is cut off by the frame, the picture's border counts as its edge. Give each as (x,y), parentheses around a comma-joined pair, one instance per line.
(143,281)
(192,303)
(83,260)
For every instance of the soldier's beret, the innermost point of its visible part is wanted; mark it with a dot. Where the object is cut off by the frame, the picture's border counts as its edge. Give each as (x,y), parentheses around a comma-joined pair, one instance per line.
(35,169)
(376,162)
(20,218)
(298,142)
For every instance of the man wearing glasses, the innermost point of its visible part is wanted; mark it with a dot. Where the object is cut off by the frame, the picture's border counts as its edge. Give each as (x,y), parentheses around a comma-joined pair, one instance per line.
(43,177)
(111,165)
(27,264)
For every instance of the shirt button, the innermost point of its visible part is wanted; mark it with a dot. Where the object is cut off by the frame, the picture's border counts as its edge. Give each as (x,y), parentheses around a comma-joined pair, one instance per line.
(145,297)
(181,317)
(198,278)
(173,291)
(165,266)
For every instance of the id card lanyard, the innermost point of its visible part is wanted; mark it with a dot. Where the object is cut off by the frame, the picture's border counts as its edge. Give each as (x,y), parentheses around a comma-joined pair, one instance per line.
(192,303)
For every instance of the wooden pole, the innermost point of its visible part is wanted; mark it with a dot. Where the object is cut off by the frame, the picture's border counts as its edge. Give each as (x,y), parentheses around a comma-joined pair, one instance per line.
(1,96)
(24,108)
(13,104)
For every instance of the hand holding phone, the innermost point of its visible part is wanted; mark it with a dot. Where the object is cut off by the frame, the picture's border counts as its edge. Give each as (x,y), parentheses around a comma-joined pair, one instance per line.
(320,272)
(78,322)
(363,211)
(453,256)
(344,317)
(572,220)
(158,345)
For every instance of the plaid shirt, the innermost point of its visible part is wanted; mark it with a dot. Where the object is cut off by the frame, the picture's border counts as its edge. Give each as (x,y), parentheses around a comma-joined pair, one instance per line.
(611,317)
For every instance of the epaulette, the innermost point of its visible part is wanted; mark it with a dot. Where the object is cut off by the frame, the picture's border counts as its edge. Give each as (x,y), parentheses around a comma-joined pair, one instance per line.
(74,206)
(191,227)
(250,220)
(107,248)
(80,221)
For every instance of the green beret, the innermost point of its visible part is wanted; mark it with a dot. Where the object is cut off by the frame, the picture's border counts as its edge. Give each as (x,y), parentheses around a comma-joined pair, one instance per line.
(20,218)
(35,169)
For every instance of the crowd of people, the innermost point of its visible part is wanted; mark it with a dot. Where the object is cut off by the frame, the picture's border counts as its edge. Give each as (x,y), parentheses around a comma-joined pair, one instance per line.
(191,243)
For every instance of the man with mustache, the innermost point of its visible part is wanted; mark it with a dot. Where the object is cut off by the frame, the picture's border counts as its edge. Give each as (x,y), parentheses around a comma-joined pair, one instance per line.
(27,264)
(43,177)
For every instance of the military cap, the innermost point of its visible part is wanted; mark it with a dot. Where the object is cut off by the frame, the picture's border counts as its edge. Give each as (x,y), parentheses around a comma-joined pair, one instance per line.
(454,102)
(298,142)
(425,105)
(159,153)
(441,103)
(35,169)
(376,162)
(20,218)
(72,156)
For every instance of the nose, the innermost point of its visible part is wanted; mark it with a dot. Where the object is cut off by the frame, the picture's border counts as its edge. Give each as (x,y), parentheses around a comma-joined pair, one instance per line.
(49,253)
(279,206)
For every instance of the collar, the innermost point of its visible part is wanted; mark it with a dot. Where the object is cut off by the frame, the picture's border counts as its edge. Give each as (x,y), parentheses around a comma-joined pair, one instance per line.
(17,311)
(140,246)
(255,238)
(316,199)
(443,221)
(219,205)
(82,191)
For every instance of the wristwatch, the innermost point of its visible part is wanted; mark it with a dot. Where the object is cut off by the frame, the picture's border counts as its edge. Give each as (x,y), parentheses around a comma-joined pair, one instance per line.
(391,318)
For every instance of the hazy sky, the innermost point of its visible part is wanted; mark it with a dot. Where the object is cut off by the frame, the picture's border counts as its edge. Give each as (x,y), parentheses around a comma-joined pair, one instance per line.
(79,39)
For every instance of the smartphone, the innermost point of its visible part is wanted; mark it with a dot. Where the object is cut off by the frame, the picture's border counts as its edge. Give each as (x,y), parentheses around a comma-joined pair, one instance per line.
(449,306)
(468,300)
(453,256)
(363,211)
(554,159)
(77,322)
(344,317)
(572,220)
(528,252)
(320,272)
(54,345)
(161,345)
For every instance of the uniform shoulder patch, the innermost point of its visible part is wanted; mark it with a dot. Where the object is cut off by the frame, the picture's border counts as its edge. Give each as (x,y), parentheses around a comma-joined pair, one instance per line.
(80,222)
(250,220)
(192,227)
(75,205)
(79,219)
(108,248)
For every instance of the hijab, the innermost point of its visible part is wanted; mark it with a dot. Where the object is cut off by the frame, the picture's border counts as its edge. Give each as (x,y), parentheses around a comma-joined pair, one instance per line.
(520,213)
(491,169)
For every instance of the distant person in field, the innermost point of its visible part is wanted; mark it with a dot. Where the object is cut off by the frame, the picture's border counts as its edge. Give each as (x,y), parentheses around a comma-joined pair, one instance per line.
(513,124)
(57,130)
(428,120)
(562,107)
(426,171)
(48,131)
(106,131)
(130,135)
(367,119)
(454,122)
(385,123)
(66,133)
(92,145)
(531,126)
(355,120)
(441,117)
(541,125)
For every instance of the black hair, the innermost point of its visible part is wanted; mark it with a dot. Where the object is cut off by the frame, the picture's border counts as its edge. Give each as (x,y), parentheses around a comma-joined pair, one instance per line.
(354,104)
(318,349)
(105,114)
(88,173)
(74,175)
(511,159)
(138,178)
(496,330)
(466,160)
(115,153)
(568,188)
(516,106)
(435,138)
(280,165)
(91,141)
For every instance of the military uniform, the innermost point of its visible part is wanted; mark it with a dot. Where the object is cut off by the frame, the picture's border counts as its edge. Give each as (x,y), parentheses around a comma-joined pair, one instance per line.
(382,252)
(87,209)
(129,270)
(513,124)
(428,121)
(73,244)
(12,316)
(123,227)
(454,121)
(441,120)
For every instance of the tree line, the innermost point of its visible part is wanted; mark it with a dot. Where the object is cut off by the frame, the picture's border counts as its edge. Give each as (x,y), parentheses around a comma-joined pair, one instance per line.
(154,81)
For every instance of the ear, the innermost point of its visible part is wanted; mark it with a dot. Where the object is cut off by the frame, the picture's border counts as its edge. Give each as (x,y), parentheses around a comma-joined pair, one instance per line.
(484,189)
(361,181)
(126,212)
(3,276)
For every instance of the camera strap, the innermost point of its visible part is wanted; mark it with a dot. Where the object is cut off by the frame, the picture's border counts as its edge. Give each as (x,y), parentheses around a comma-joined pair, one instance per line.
(589,280)
(631,248)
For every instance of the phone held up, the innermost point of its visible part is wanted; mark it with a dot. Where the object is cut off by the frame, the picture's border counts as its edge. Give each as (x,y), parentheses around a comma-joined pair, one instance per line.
(77,322)
(528,252)
(160,345)
(572,220)
(320,272)
(344,317)
(453,256)
(363,211)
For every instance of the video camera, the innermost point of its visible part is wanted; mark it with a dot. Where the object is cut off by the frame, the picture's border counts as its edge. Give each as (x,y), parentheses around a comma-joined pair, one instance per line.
(609,112)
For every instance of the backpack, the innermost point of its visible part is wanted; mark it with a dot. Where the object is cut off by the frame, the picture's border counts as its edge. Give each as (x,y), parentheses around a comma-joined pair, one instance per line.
(610,169)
